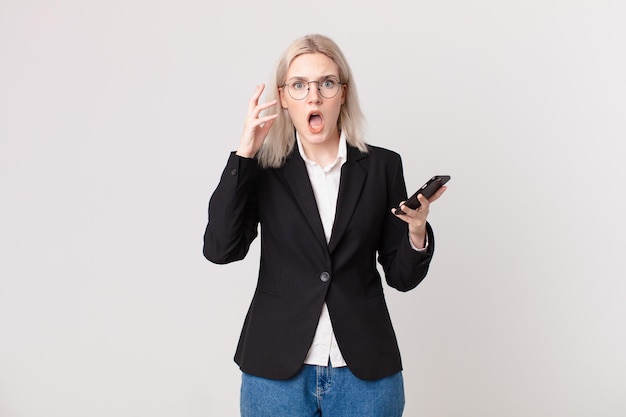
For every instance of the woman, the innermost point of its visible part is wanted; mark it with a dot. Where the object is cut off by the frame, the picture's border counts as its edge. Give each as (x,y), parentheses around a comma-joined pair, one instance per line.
(317,339)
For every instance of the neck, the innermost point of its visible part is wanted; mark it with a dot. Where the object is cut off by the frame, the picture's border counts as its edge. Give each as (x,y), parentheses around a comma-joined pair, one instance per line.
(323,153)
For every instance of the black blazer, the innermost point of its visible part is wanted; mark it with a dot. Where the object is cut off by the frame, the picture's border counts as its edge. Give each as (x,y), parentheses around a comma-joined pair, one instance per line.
(299,270)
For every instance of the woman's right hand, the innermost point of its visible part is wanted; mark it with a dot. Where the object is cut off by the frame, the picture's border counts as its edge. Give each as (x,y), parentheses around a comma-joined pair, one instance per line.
(256,127)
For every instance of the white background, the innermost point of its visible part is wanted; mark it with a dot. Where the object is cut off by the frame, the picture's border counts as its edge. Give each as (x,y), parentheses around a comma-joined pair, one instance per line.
(116,119)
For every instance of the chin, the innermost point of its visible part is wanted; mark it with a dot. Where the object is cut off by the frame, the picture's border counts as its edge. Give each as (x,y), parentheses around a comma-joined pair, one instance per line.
(315,138)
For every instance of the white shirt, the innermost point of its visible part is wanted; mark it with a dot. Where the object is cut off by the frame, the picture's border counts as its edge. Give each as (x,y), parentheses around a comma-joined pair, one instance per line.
(325,183)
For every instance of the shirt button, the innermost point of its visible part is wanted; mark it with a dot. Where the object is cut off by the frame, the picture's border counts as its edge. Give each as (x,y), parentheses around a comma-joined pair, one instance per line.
(233,171)
(324,276)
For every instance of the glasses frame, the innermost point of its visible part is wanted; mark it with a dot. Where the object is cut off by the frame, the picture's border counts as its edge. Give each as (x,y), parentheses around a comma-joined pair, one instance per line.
(319,90)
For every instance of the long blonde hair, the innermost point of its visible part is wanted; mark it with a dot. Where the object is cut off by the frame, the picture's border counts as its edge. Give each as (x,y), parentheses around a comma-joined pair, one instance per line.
(281,137)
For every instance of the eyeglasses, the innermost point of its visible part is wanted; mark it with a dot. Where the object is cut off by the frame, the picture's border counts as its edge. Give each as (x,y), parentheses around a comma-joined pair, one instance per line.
(328,88)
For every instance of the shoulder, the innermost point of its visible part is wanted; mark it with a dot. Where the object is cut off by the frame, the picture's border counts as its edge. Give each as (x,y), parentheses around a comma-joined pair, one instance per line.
(377,161)
(382,152)
(383,155)
(372,152)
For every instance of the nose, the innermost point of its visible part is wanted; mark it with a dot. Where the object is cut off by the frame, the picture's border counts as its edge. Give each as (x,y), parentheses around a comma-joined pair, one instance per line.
(314,92)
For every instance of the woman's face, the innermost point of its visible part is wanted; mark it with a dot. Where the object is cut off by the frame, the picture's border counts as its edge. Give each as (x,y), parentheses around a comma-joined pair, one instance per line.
(314,117)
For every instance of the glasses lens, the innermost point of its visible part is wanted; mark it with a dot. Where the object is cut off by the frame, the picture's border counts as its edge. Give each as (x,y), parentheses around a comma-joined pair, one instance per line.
(328,88)
(298,89)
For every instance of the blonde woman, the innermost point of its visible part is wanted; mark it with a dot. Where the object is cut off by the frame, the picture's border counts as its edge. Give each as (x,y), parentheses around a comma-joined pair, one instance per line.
(317,339)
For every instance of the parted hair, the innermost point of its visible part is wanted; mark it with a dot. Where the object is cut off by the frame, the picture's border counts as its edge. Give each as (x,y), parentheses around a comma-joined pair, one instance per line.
(281,138)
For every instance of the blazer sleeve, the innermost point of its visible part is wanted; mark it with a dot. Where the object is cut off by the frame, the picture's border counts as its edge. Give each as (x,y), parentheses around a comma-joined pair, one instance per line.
(233,217)
(404,267)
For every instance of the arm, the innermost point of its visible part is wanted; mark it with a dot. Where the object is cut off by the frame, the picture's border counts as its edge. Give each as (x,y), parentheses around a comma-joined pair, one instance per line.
(404,266)
(233,218)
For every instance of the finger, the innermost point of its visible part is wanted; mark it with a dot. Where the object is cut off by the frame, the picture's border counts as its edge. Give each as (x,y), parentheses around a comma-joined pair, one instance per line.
(399,211)
(254,100)
(260,121)
(268,118)
(254,113)
(258,109)
(423,201)
(266,123)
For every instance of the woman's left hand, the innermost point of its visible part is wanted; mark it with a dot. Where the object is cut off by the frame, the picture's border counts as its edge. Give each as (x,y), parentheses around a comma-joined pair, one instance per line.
(416,219)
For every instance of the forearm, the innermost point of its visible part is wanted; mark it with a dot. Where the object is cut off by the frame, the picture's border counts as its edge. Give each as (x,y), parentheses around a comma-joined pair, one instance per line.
(406,267)
(232,223)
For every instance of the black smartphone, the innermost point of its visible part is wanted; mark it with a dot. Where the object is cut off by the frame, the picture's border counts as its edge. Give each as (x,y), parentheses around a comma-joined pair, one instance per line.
(427,190)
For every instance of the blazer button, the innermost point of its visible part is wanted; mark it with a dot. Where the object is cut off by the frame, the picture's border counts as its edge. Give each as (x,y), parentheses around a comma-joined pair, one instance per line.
(233,171)
(324,276)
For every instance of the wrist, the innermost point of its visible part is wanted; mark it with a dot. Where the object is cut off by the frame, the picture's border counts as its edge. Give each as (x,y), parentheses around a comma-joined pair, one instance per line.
(418,238)
(244,153)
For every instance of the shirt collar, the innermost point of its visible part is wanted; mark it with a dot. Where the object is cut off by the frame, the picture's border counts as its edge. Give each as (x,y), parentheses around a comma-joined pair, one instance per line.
(342,151)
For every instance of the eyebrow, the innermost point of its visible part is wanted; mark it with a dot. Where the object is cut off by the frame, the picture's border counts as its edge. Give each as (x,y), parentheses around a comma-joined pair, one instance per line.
(323,77)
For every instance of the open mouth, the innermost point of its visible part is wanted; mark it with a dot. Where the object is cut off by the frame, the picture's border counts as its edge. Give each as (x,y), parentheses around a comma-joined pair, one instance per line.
(316,123)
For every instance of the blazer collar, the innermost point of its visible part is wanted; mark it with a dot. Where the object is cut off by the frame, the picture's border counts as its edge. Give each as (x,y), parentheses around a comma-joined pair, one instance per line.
(353,175)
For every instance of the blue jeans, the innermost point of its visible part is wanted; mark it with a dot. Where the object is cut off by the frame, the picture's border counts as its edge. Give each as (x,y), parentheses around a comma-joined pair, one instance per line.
(322,391)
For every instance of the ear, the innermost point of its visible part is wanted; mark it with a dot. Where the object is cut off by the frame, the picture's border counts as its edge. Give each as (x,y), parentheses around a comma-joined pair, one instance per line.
(283,99)
(343,93)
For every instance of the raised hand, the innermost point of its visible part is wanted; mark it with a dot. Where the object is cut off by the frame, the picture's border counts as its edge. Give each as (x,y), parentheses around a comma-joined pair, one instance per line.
(256,127)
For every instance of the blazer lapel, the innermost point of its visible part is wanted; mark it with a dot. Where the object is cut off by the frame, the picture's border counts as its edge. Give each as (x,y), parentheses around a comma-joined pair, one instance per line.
(296,177)
(353,176)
